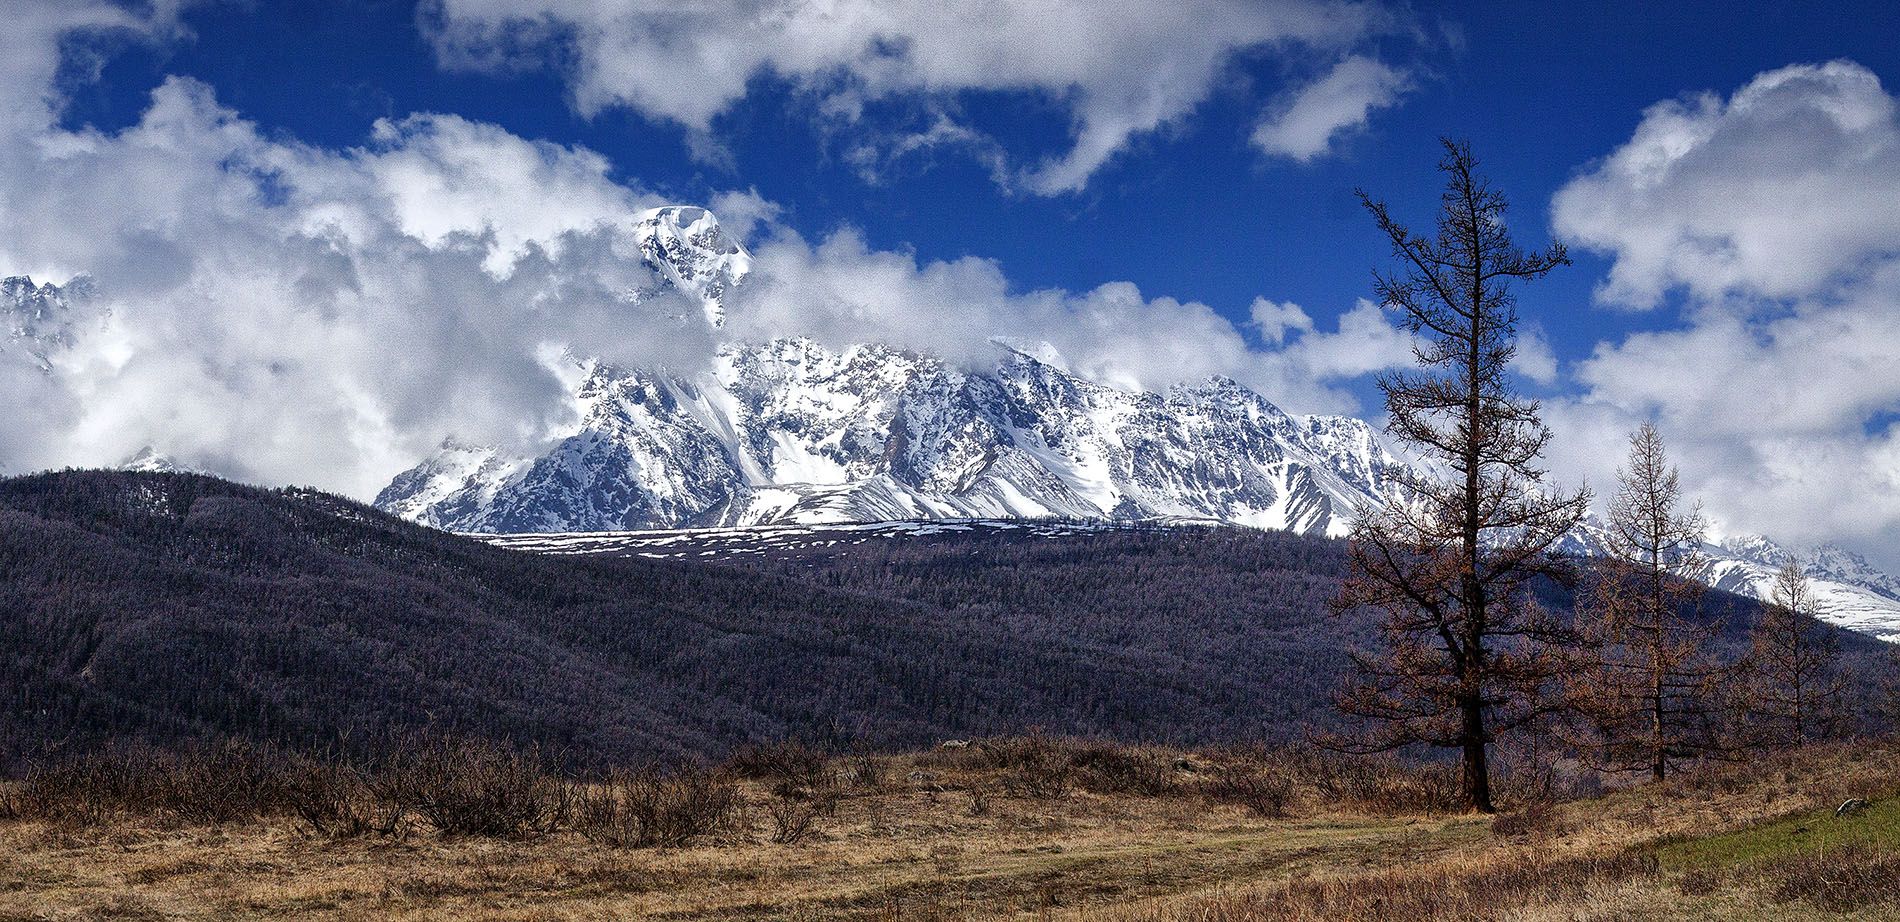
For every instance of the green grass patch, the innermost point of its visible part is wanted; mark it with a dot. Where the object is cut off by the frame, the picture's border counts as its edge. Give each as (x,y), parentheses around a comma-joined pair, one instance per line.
(1806,833)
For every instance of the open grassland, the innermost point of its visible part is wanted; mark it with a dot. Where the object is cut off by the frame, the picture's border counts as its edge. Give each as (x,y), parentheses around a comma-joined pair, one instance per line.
(1011,829)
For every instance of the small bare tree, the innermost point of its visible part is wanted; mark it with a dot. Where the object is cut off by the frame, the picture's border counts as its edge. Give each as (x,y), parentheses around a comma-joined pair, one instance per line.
(1649,689)
(1793,691)
(1466,653)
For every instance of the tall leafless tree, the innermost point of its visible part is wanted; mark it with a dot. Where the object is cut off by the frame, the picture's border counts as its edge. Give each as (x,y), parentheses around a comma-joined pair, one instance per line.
(1649,689)
(1466,653)
(1793,690)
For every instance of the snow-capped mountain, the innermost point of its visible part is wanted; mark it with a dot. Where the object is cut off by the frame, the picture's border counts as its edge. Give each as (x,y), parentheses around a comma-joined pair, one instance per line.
(792,432)
(691,254)
(151,460)
(38,320)
(1848,589)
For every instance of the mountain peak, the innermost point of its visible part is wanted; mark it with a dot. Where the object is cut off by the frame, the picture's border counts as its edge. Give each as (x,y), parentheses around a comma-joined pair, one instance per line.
(693,255)
(152,461)
(40,317)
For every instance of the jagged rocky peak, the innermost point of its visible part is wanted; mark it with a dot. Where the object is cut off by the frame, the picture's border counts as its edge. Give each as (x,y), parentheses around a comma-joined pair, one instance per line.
(693,255)
(41,318)
(794,431)
(1825,561)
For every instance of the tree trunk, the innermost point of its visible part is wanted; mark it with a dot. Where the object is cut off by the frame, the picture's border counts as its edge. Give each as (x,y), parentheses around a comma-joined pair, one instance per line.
(1477,763)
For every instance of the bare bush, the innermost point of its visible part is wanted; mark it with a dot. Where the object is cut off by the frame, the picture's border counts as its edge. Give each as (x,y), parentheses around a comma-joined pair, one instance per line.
(340,801)
(864,771)
(465,787)
(1264,793)
(1105,768)
(1384,785)
(784,765)
(792,818)
(648,809)
(202,784)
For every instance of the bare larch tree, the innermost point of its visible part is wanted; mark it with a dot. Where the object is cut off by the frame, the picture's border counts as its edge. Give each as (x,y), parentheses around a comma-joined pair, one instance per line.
(1465,652)
(1793,690)
(1649,687)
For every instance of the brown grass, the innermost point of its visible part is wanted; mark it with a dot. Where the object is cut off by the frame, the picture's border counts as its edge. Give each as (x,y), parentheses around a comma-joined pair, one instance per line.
(978,833)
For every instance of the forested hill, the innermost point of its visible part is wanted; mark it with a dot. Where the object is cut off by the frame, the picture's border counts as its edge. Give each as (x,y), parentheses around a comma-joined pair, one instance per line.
(168,606)
(175,605)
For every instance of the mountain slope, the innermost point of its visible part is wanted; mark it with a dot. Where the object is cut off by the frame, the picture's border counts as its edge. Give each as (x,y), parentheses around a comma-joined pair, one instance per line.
(165,606)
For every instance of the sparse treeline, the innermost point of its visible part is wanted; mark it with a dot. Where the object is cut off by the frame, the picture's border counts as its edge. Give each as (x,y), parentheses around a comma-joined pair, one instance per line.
(1636,680)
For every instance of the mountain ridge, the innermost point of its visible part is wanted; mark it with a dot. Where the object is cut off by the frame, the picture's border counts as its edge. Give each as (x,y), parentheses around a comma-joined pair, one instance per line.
(792,432)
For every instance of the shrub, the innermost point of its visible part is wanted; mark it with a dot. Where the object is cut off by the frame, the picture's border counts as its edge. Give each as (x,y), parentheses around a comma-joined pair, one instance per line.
(1265,794)
(1383,784)
(340,801)
(1035,767)
(772,761)
(647,809)
(1110,769)
(792,818)
(465,787)
(200,784)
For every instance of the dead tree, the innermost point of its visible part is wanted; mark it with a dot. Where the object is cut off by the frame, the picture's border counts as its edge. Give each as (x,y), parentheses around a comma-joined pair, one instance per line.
(1466,654)
(1793,690)
(1649,686)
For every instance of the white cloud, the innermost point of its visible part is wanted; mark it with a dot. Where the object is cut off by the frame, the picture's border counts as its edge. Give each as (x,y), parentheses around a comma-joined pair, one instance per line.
(1788,184)
(1776,212)
(1275,319)
(282,312)
(1304,124)
(1117,68)
(1534,359)
(838,291)
(287,313)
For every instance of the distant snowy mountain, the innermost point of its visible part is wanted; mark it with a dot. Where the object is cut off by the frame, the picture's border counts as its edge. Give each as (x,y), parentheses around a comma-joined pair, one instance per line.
(39,320)
(691,254)
(150,460)
(791,431)
(1849,590)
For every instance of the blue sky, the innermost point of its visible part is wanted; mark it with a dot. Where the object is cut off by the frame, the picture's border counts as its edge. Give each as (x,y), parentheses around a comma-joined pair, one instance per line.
(1728,193)
(1540,90)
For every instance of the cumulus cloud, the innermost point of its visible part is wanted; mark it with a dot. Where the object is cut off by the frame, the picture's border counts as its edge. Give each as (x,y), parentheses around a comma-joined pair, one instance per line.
(286,313)
(1118,68)
(283,312)
(1275,319)
(1305,122)
(1774,212)
(839,291)
(1776,191)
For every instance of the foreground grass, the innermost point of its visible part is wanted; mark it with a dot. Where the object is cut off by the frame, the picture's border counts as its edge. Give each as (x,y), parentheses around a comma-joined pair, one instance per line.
(927,836)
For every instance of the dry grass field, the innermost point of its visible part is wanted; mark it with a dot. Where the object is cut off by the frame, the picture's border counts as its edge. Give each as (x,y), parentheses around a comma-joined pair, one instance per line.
(1036,829)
